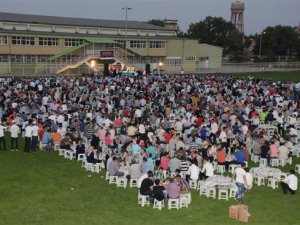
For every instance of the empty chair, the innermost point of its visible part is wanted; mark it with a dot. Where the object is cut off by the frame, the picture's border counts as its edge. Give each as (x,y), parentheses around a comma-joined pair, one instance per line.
(211,192)
(133,183)
(223,194)
(158,204)
(173,203)
(122,182)
(220,169)
(263,162)
(183,201)
(297,168)
(193,184)
(81,157)
(272,182)
(233,190)
(274,162)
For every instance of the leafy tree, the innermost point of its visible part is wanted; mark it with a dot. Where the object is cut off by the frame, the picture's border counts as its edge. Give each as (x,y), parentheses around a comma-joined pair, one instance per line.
(217,31)
(156,22)
(278,41)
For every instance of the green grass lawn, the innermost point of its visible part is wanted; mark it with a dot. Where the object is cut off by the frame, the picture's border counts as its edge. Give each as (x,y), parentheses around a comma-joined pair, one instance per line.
(35,189)
(288,75)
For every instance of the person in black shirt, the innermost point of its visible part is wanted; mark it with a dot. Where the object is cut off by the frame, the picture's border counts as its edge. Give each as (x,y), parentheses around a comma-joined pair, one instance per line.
(147,185)
(264,150)
(158,189)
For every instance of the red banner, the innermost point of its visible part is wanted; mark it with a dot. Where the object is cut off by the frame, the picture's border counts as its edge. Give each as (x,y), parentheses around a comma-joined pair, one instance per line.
(106,54)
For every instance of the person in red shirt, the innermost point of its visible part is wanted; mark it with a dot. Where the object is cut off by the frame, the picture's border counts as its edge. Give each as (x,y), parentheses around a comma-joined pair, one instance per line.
(168,137)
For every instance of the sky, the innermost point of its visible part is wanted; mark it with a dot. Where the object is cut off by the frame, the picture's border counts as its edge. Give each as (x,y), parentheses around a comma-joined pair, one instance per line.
(258,14)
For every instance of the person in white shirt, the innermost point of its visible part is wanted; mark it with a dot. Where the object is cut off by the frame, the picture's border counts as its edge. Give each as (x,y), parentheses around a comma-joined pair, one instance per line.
(193,170)
(214,129)
(290,183)
(28,135)
(2,137)
(207,169)
(35,136)
(14,134)
(249,179)
(241,182)
(223,136)
(283,152)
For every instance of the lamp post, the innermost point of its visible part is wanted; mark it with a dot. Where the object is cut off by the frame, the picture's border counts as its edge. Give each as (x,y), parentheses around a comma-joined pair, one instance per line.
(126,22)
(260,43)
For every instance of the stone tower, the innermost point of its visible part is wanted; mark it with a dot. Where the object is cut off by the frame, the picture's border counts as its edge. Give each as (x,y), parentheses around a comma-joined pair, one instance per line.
(237,15)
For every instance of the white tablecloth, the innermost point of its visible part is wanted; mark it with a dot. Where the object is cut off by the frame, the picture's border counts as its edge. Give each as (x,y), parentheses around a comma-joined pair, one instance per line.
(266,171)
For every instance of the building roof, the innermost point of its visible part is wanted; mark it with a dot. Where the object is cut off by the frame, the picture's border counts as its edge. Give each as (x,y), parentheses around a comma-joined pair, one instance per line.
(69,21)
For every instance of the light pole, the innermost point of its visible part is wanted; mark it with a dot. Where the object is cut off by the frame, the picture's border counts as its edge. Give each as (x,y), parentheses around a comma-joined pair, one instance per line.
(260,43)
(126,22)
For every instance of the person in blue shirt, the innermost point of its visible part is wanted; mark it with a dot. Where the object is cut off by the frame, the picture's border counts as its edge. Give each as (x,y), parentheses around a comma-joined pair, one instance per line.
(239,157)
(47,138)
(235,128)
(203,132)
(151,150)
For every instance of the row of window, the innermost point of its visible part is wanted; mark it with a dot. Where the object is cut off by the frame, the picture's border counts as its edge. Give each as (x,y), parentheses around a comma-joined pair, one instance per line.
(23,58)
(173,62)
(195,58)
(70,42)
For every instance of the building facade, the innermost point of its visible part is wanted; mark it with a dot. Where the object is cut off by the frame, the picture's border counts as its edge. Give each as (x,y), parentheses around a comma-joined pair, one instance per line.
(37,45)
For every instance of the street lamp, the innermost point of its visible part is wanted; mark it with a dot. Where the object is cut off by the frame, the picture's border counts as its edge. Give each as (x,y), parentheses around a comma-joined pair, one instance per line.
(260,43)
(126,22)
(160,64)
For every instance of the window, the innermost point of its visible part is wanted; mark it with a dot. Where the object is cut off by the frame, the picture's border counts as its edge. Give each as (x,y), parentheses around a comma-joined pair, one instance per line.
(48,41)
(3,40)
(120,43)
(3,58)
(173,62)
(191,58)
(70,42)
(42,58)
(22,58)
(137,44)
(157,44)
(22,40)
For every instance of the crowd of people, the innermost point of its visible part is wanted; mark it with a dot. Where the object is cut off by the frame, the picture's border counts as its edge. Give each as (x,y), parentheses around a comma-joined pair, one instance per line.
(181,124)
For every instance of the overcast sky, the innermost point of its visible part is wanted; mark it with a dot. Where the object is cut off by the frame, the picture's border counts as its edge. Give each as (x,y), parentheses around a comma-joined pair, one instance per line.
(258,14)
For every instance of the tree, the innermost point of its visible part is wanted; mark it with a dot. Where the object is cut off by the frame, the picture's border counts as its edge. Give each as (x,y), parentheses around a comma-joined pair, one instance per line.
(278,41)
(217,31)
(156,22)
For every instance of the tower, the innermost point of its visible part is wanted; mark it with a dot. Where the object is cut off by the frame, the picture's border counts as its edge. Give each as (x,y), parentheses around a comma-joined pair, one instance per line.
(237,15)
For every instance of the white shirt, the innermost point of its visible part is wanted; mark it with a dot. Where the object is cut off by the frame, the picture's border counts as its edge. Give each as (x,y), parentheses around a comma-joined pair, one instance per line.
(138,113)
(2,128)
(292,181)
(208,168)
(214,128)
(14,130)
(35,130)
(28,131)
(240,173)
(223,136)
(60,119)
(193,171)
(142,129)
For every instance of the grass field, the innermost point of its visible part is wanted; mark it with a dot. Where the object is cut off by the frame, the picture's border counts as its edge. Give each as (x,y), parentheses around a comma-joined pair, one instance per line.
(288,75)
(35,189)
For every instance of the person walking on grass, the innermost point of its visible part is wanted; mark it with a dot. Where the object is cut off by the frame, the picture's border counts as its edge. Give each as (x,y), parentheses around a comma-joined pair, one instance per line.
(241,182)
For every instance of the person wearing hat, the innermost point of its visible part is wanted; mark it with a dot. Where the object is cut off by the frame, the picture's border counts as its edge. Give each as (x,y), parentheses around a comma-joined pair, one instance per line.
(14,134)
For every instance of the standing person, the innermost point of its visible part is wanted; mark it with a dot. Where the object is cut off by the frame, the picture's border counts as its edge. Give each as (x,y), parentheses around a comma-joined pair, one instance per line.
(2,137)
(28,135)
(290,183)
(241,182)
(14,133)
(35,136)
(207,169)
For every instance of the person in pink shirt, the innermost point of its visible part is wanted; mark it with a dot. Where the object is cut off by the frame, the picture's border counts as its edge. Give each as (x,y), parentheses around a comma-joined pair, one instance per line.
(273,153)
(107,139)
(118,122)
(165,161)
(101,134)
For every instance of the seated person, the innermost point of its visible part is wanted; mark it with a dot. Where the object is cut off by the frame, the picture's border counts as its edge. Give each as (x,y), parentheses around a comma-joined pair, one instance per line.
(134,170)
(56,137)
(207,169)
(194,170)
(80,148)
(65,143)
(114,167)
(90,158)
(147,185)
(239,157)
(159,174)
(158,190)
(221,158)
(173,190)
(182,183)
